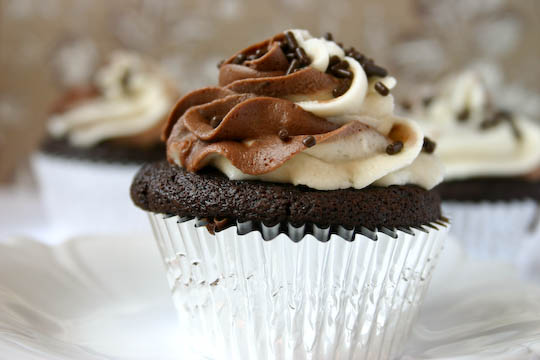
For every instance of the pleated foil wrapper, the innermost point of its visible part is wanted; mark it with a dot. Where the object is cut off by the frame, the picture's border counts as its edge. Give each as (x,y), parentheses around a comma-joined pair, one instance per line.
(507,231)
(86,197)
(282,292)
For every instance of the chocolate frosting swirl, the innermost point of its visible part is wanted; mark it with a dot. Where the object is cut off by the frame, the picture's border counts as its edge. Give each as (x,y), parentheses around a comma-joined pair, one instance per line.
(255,103)
(302,111)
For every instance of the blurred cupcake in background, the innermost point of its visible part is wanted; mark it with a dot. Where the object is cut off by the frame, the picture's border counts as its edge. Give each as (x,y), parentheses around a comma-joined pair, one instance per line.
(98,135)
(492,159)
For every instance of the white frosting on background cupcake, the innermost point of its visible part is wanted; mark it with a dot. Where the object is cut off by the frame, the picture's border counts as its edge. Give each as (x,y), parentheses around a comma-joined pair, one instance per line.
(134,97)
(475,138)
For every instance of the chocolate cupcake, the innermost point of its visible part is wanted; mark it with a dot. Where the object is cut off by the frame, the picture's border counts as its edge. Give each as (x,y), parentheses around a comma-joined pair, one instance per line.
(294,214)
(492,159)
(98,137)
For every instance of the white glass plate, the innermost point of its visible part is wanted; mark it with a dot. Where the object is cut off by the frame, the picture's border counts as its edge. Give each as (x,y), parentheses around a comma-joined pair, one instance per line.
(107,298)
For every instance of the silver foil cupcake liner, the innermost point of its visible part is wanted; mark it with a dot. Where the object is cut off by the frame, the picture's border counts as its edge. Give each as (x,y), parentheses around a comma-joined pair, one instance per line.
(504,230)
(306,294)
(86,198)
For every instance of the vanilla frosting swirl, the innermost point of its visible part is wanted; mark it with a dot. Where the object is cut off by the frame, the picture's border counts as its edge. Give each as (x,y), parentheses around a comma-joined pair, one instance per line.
(330,143)
(130,101)
(474,138)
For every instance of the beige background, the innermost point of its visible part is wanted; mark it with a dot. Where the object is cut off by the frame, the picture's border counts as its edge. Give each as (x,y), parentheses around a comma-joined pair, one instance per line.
(48,45)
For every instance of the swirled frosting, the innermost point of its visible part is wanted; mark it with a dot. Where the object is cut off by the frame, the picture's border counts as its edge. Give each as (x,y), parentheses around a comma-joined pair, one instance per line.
(474,137)
(128,102)
(327,123)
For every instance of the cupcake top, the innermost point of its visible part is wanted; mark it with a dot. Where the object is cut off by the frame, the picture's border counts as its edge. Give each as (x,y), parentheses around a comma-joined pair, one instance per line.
(474,137)
(128,103)
(301,110)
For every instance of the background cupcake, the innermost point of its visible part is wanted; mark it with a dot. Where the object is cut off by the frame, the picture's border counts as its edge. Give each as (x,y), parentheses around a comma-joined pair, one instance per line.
(492,159)
(98,136)
(294,215)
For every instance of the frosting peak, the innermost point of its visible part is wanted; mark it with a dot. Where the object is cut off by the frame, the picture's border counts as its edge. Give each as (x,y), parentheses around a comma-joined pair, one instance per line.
(301,110)
(128,102)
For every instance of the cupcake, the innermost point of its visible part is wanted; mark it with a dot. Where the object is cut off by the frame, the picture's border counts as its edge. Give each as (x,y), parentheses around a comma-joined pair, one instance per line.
(492,159)
(294,214)
(98,136)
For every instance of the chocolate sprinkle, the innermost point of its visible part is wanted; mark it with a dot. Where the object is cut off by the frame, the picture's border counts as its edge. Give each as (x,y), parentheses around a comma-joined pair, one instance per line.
(125,80)
(394,148)
(495,120)
(464,115)
(302,56)
(328,36)
(342,73)
(381,88)
(215,121)
(489,123)
(291,40)
(515,129)
(290,56)
(221,62)
(503,115)
(374,70)
(292,66)
(361,59)
(429,145)
(334,59)
(498,118)
(406,105)
(427,100)
(309,141)
(239,59)
(283,135)
(342,88)
(340,65)
(355,54)
(340,70)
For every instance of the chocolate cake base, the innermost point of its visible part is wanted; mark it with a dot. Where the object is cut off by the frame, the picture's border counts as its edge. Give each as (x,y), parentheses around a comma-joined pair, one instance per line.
(489,189)
(168,189)
(104,152)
